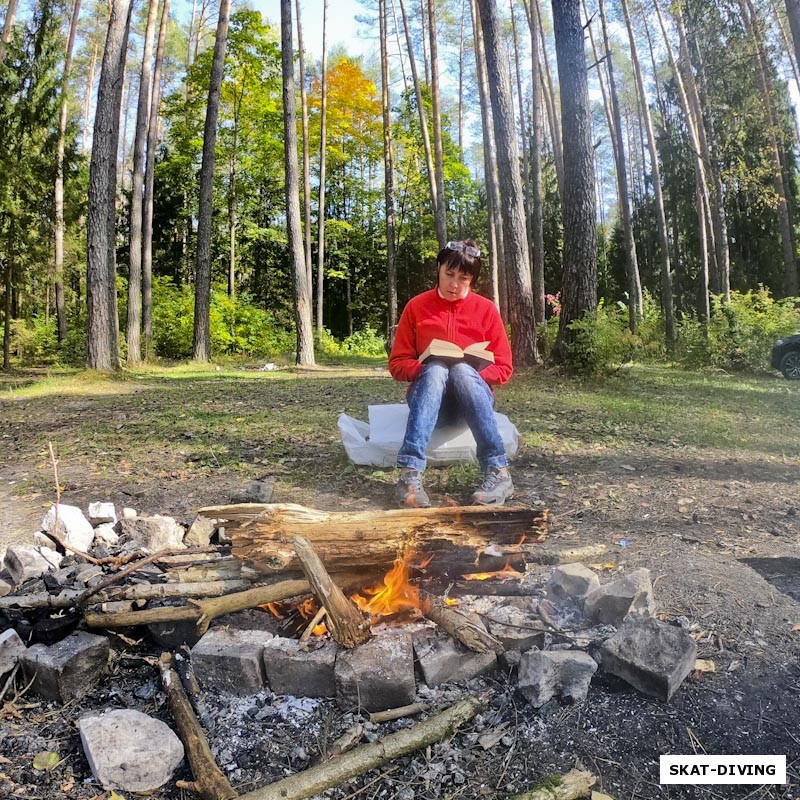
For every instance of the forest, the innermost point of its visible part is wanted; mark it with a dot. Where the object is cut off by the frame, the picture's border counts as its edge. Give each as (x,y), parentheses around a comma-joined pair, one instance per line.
(192,182)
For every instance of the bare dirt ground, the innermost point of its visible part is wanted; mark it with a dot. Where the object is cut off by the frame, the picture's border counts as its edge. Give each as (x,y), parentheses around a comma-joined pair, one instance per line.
(718,526)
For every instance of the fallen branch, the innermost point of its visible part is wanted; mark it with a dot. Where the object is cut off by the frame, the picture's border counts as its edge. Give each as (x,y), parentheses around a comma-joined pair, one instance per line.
(572,786)
(369,756)
(460,627)
(346,624)
(67,598)
(209,782)
(397,713)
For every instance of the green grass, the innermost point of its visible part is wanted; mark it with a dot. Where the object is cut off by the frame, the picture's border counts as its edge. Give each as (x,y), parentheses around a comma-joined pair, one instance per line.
(190,421)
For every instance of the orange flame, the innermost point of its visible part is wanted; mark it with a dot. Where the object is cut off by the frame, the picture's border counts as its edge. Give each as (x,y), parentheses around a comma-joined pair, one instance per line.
(320,630)
(396,594)
(507,573)
(274,609)
(451,601)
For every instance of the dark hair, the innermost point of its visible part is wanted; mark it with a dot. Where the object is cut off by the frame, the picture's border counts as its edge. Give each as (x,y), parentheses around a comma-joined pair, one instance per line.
(459,260)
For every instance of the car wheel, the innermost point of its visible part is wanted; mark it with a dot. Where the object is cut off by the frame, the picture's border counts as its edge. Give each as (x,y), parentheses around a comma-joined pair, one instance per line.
(790,365)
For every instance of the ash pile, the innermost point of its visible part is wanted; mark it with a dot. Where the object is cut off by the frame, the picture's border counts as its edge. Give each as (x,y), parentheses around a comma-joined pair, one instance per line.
(147,636)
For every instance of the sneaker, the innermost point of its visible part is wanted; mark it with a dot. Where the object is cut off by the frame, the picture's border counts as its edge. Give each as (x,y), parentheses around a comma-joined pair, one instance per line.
(409,492)
(495,489)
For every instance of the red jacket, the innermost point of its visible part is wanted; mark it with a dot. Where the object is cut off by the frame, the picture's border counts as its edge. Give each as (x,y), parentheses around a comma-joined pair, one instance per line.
(429,316)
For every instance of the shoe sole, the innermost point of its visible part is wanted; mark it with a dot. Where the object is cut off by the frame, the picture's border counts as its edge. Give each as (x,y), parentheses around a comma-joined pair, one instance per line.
(493,502)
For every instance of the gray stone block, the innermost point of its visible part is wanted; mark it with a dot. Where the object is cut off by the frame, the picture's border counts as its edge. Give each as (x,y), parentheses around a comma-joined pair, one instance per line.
(514,628)
(24,563)
(130,751)
(106,533)
(630,594)
(555,673)
(5,588)
(199,533)
(571,581)
(153,533)
(651,656)
(73,528)
(231,660)
(11,648)
(100,513)
(443,660)
(303,674)
(378,674)
(68,669)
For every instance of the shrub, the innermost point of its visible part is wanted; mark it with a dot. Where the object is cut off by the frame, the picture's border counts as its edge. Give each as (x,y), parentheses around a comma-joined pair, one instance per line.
(602,339)
(366,342)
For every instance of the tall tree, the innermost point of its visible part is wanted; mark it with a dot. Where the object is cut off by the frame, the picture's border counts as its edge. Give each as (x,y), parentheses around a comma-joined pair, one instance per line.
(793,12)
(302,289)
(134,323)
(8,28)
(58,193)
(634,283)
(436,114)
(149,177)
(553,118)
(515,240)
(579,283)
(306,154)
(658,196)
(202,296)
(323,154)
(388,184)
(102,323)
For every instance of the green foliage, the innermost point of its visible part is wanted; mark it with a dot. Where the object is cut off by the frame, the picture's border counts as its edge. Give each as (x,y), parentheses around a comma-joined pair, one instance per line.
(741,333)
(237,326)
(602,339)
(366,343)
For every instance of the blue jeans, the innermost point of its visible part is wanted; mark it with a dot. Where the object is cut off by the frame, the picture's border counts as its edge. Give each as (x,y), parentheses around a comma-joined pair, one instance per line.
(442,394)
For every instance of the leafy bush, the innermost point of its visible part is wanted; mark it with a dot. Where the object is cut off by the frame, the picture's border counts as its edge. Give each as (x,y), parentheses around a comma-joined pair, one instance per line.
(35,341)
(602,339)
(365,343)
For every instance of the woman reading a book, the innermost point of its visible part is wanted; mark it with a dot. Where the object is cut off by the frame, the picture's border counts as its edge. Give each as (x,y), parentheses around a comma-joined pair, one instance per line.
(451,345)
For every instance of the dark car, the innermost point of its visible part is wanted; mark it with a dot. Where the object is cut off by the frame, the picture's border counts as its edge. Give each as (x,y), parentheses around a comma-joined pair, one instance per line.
(786,357)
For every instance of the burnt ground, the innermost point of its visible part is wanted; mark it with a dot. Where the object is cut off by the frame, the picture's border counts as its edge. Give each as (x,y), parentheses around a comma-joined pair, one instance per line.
(716,522)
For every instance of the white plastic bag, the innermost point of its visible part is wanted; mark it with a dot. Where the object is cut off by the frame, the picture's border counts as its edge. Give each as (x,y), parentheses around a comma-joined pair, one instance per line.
(377,443)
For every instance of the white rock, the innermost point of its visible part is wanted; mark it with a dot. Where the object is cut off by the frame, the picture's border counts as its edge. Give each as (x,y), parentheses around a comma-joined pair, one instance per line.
(5,588)
(73,528)
(106,534)
(153,533)
(25,563)
(41,539)
(102,512)
(199,534)
(129,751)
(11,648)
(129,513)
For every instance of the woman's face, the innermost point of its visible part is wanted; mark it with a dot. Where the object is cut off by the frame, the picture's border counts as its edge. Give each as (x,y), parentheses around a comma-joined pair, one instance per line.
(453,284)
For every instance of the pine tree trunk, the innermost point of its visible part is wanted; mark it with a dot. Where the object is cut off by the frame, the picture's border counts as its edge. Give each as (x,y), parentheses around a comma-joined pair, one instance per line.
(388,184)
(496,254)
(523,132)
(58,194)
(515,240)
(134,326)
(441,234)
(8,28)
(793,12)
(7,318)
(87,103)
(323,152)
(634,284)
(306,152)
(436,113)
(579,287)
(661,219)
(302,288)
(101,290)
(149,175)
(554,119)
(202,296)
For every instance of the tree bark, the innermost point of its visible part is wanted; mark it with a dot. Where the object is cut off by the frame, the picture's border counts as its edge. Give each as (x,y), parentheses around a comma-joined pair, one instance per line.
(8,28)
(661,218)
(388,166)
(793,13)
(515,240)
(579,286)
(302,288)
(87,103)
(306,152)
(323,154)
(523,135)
(149,176)
(554,119)
(58,194)
(202,295)
(134,326)
(101,289)
(436,113)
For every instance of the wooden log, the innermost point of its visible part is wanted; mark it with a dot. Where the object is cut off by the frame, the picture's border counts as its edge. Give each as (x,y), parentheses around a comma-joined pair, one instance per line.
(397,713)
(345,622)
(572,786)
(460,539)
(140,591)
(209,782)
(570,555)
(460,627)
(370,756)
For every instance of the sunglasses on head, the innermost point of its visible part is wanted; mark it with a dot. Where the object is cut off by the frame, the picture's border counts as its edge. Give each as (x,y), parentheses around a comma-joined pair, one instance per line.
(466,249)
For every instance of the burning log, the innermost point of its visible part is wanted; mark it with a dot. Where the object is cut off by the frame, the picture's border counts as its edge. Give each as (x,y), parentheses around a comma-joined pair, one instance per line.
(460,539)
(348,628)
(209,782)
(460,627)
(369,756)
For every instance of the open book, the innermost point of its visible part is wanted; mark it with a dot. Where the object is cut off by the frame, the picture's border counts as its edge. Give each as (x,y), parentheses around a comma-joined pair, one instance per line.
(474,354)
